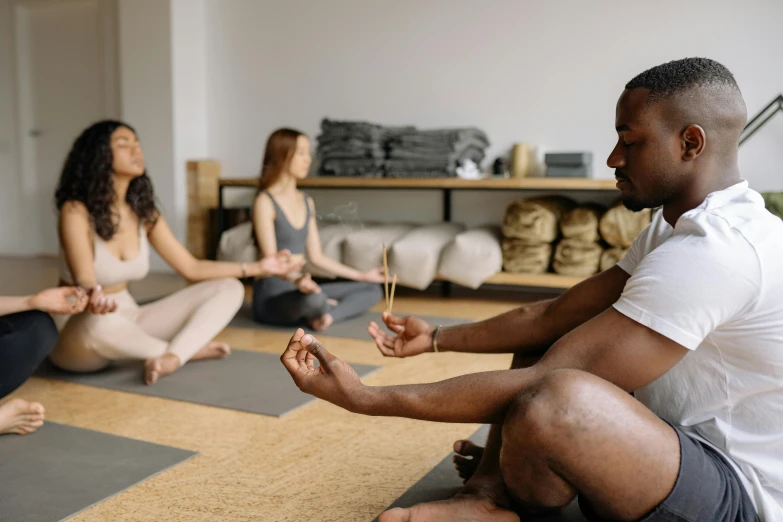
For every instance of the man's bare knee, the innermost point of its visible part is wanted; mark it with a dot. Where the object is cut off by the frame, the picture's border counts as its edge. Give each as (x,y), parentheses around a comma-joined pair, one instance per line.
(539,422)
(553,404)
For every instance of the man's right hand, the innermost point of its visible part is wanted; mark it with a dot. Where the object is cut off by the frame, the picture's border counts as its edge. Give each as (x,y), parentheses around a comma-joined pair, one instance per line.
(414,336)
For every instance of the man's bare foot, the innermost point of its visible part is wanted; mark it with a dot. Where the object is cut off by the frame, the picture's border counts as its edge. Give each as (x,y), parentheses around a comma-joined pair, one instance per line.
(459,509)
(322,323)
(213,350)
(467,458)
(333,302)
(158,367)
(20,417)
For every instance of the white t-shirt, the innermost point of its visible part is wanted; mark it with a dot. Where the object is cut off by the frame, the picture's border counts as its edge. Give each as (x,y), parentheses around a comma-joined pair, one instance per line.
(714,284)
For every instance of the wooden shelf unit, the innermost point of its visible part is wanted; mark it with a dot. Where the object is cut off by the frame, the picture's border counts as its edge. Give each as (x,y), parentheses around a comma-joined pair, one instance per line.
(441,183)
(447,185)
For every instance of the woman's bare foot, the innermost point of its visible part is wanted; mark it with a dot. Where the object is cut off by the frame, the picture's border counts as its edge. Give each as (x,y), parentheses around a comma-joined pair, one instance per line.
(158,367)
(459,509)
(213,350)
(322,323)
(20,417)
(467,458)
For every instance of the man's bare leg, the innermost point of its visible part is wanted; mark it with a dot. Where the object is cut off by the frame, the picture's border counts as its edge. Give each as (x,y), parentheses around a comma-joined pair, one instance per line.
(571,432)
(468,455)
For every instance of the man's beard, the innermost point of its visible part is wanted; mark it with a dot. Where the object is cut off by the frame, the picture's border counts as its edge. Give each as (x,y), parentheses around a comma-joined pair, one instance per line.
(635,204)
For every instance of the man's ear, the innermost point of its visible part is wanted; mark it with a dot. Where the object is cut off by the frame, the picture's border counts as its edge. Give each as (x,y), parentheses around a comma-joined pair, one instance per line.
(694,139)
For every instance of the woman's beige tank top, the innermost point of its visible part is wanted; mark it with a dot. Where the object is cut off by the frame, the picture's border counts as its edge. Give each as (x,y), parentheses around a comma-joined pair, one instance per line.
(110,271)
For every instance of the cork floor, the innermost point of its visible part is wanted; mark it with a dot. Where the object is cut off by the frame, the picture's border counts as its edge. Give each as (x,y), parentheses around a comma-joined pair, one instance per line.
(318,463)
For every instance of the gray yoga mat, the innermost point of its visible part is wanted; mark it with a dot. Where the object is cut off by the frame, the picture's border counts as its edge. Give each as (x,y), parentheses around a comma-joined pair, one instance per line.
(246,381)
(59,470)
(354,328)
(442,483)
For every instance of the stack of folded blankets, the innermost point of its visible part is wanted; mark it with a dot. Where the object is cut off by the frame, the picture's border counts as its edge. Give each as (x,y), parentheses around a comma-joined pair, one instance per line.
(619,227)
(351,149)
(579,251)
(433,153)
(529,229)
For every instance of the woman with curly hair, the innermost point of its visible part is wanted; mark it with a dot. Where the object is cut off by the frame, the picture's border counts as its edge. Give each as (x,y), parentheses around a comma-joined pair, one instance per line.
(284,217)
(108,220)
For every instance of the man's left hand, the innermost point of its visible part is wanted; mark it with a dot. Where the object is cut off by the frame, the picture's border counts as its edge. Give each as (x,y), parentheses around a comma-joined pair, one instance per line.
(333,380)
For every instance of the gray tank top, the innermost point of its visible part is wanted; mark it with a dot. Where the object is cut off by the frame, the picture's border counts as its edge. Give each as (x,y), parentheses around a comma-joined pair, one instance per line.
(288,237)
(294,239)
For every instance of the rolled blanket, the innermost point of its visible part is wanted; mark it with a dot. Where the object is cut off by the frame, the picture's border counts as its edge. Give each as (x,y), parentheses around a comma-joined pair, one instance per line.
(619,226)
(535,221)
(582,223)
(576,258)
(611,256)
(527,259)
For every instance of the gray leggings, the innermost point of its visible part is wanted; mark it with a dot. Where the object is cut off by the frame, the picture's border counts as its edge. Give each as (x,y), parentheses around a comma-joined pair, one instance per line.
(291,307)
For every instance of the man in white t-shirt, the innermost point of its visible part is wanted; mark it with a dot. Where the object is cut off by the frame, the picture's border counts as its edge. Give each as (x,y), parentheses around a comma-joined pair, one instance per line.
(691,321)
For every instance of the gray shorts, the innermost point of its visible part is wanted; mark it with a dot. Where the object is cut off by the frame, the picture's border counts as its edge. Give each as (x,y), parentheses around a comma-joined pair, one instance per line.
(707,490)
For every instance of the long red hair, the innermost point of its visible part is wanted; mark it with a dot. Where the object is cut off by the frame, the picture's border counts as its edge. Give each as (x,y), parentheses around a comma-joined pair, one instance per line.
(280,148)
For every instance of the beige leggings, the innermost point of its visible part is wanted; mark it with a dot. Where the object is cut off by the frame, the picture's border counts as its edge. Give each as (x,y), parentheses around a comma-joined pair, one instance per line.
(181,324)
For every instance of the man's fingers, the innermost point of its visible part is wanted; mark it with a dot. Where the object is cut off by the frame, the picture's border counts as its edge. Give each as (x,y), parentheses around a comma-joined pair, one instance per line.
(315,347)
(301,356)
(396,328)
(380,336)
(290,356)
(309,361)
(298,334)
(382,341)
(392,320)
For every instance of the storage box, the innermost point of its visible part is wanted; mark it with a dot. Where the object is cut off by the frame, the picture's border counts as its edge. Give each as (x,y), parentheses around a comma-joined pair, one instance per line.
(569,159)
(557,171)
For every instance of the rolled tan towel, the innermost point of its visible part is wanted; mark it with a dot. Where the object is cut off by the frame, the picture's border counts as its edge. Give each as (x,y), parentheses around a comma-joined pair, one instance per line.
(535,221)
(611,256)
(576,258)
(619,226)
(581,223)
(522,258)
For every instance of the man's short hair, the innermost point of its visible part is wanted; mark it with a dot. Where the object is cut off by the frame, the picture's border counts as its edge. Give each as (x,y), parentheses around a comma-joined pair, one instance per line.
(668,79)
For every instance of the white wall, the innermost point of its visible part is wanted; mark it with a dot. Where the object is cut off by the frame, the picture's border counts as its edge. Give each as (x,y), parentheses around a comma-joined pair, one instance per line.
(146,93)
(10,188)
(212,78)
(19,201)
(547,73)
(163,79)
(189,82)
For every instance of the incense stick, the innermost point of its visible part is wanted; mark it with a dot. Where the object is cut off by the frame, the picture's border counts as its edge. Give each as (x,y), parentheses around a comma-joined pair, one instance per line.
(391,298)
(386,279)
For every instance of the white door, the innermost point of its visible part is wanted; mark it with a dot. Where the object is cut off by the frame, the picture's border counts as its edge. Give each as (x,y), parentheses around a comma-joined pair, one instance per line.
(63,87)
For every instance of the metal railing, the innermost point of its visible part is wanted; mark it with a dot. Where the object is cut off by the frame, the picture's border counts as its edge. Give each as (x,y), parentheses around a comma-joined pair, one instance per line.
(762,118)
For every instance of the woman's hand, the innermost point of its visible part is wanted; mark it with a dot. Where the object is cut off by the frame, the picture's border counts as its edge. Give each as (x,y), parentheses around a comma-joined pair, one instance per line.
(99,303)
(306,285)
(279,264)
(372,276)
(65,300)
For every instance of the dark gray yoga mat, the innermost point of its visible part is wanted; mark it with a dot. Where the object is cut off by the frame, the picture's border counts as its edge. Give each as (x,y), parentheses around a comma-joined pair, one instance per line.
(59,470)
(354,328)
(442,483)
(255,382)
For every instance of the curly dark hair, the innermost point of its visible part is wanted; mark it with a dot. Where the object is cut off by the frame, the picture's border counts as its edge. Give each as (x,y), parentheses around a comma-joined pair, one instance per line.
(674,77)
(87,177)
